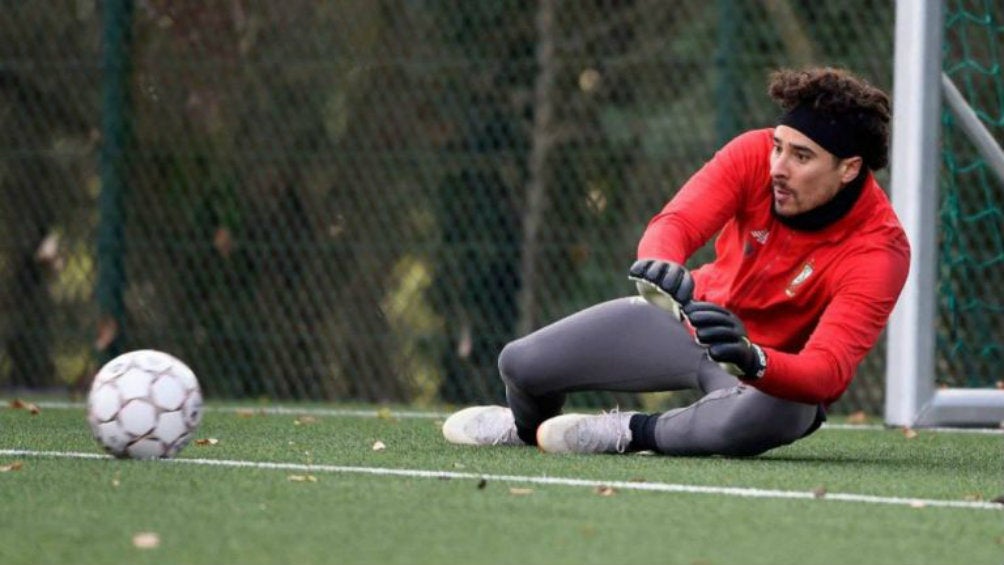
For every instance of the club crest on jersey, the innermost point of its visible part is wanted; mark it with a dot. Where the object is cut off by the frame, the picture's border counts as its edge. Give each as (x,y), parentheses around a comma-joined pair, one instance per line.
(802,276)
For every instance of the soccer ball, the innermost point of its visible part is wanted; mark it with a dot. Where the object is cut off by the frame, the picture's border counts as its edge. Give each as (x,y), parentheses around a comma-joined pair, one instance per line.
(144,404)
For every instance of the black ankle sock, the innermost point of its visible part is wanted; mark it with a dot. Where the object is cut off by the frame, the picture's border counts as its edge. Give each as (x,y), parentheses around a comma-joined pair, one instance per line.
(529,412)
(643,432)
(527,434)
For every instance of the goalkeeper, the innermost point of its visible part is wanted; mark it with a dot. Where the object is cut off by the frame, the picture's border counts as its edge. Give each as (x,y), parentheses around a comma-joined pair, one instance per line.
(810,259)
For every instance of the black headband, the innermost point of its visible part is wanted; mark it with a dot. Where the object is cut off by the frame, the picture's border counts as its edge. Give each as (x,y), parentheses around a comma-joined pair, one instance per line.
(838,135)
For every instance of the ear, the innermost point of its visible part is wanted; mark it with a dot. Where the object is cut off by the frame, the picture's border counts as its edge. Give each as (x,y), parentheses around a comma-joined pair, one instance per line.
(850,168)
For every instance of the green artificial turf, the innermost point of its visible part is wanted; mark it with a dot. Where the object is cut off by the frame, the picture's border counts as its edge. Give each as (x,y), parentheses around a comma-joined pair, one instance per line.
(307,489)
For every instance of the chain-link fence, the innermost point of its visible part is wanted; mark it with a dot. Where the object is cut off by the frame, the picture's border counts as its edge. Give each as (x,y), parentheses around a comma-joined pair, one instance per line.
(363,199)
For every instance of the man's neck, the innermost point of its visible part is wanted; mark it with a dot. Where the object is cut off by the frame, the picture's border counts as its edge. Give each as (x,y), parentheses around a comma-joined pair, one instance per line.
(827,214)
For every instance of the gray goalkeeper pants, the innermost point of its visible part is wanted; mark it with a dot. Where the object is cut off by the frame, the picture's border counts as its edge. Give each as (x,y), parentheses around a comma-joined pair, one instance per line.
(628,345)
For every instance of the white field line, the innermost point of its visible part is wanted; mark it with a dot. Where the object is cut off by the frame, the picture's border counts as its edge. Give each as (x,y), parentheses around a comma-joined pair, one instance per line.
(519,479)
(408,414)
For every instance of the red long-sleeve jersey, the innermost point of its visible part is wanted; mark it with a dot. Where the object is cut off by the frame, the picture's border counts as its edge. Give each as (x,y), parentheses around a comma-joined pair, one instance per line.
(816,301)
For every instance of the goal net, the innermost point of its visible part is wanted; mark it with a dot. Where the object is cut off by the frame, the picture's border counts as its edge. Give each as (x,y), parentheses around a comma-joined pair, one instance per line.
(946,336)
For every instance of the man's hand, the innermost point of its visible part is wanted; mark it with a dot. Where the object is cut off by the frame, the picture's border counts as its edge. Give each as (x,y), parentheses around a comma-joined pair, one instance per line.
(725,337)
(666,284)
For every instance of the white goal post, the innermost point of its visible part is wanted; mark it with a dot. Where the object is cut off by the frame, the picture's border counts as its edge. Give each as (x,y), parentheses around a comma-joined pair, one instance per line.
(911,397)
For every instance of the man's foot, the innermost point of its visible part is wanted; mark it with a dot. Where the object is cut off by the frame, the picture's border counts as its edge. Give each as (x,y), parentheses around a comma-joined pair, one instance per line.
(482,425)
(609,432)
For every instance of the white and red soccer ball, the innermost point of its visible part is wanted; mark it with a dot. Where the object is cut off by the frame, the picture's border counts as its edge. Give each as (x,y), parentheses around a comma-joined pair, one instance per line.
(144,404)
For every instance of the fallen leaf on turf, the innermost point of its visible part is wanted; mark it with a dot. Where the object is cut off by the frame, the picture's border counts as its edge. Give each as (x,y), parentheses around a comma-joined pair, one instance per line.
(15,466)
(207,441)
(858,417)
(482,484)
(520,491)
(18,404)
(304,420)
(247,413)
(145,540)
(302,478)
(385,414)
(819,492)
(379,446)
(605,490)
(909,433)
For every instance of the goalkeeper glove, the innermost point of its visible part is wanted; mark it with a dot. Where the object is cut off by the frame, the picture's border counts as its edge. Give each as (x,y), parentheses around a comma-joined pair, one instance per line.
(725,337)
(666,284)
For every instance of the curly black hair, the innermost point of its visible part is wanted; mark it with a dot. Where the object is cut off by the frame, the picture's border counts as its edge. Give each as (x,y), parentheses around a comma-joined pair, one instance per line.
(839,93)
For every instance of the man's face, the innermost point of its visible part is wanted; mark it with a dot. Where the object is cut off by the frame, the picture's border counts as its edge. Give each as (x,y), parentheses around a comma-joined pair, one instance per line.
(803,175)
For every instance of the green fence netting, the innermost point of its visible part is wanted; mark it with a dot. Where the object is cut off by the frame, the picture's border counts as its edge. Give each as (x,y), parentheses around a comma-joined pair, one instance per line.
(970,334)
(365,200)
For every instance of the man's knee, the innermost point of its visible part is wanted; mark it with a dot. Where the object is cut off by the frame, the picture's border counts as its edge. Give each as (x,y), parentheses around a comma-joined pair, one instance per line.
(512,364)
(522,366)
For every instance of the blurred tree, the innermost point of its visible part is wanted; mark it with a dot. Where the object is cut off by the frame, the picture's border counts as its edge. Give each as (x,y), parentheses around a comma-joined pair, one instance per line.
(366,199)
(485,106)
(247,173)
(45,137)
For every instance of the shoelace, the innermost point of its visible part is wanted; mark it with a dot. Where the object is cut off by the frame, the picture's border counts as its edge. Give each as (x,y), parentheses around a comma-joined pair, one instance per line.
(503,435)
(609,425)
(613,419)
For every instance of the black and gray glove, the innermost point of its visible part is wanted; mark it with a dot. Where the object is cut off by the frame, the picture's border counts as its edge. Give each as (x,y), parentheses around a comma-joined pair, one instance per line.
(725,337)
(666,284)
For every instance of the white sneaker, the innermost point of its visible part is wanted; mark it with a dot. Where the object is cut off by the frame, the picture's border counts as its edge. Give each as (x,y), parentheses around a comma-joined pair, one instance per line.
(609,432)
(482,425)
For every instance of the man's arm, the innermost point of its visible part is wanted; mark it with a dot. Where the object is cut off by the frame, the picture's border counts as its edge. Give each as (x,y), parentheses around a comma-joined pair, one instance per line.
(712,196)
(849,328)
